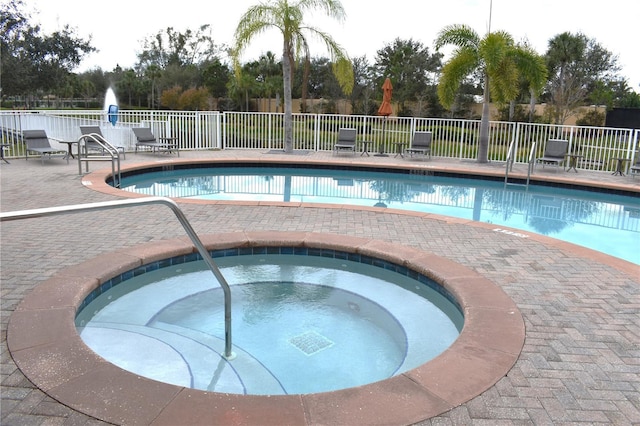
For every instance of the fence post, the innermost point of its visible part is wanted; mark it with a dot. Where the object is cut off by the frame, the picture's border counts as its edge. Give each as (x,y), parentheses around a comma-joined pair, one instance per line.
(316,132)
(223,127)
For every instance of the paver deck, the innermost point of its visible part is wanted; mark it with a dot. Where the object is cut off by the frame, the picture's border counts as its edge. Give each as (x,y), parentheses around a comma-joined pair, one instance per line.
(581,359)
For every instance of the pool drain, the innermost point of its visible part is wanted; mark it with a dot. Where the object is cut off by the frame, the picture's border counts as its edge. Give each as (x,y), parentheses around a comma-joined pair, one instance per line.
(310,342)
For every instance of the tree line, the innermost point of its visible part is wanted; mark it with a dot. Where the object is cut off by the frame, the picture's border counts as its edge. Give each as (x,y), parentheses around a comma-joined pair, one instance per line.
(188,71)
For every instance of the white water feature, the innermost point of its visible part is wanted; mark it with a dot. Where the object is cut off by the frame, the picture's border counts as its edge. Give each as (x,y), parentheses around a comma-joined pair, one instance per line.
(109,99)
(111,106)
(118,136)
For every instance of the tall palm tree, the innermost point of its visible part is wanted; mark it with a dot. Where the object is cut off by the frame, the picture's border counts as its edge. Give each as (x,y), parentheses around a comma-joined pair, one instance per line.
(500,62)
(288,19)
(564,50)
(128,84)
(153,73)
(532,74)
(268,70)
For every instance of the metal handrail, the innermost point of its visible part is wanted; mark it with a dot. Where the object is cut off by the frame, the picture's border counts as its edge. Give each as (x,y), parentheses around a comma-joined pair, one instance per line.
(510,160)
(77,208)
(532,160)
(105,145)
(509,164)
(510,155)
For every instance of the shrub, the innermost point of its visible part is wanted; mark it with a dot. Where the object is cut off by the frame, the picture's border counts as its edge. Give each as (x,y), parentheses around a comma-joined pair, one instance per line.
(591,118)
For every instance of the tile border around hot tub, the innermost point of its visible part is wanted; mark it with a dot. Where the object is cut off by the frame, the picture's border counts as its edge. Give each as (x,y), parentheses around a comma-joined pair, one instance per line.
(47,348)
(268,250)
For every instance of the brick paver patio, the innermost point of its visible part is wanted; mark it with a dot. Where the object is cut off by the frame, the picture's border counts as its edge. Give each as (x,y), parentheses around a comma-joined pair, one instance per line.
(581,358)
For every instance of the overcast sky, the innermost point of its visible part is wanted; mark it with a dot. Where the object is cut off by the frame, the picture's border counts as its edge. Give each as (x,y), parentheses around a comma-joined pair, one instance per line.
(117,27)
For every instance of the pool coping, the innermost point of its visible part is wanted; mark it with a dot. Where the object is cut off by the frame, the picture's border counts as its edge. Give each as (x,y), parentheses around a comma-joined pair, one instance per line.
(45,345)
(98,178)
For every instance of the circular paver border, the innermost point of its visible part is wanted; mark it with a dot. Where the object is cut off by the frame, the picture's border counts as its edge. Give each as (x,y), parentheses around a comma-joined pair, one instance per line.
(45,345)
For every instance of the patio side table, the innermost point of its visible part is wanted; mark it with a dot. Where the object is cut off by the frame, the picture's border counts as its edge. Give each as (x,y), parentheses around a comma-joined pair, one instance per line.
(619,166)
(573,161)
(399,147)
(365,147)
(69,153)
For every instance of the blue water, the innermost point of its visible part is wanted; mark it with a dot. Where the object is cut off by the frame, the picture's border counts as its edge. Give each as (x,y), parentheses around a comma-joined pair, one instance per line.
(301,324)
(609,223)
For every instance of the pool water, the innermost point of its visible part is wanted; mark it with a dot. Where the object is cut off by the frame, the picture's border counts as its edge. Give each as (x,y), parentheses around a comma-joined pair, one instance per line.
(609,223)
(300,324)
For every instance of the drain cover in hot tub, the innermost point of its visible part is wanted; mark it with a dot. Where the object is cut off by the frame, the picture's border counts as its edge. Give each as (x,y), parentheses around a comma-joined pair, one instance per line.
(310,342)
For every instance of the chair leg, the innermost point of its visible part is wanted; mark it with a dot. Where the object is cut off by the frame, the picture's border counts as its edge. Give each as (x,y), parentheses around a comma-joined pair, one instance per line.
(2,153)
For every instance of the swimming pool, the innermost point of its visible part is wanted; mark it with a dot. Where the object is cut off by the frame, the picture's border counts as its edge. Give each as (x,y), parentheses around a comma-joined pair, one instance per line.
(609,223)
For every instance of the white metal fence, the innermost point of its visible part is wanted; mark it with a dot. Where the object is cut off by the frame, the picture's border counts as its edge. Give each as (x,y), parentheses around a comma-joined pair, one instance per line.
(195,130)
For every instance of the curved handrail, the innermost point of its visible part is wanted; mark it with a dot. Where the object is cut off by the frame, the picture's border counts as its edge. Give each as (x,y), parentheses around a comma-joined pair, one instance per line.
(509,163)
(105,145)
(511,159)
(532,161)
(510,154)
(76,208)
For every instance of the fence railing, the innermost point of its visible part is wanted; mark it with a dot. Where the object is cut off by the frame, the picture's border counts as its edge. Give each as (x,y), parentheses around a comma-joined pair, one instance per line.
(202,130)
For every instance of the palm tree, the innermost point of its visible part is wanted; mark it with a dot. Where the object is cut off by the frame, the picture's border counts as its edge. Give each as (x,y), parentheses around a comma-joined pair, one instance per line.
(288,19)
(128,84)
(564,50)
(240,89)
(153,73)
(268,70)
(533,76)
(500,62)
